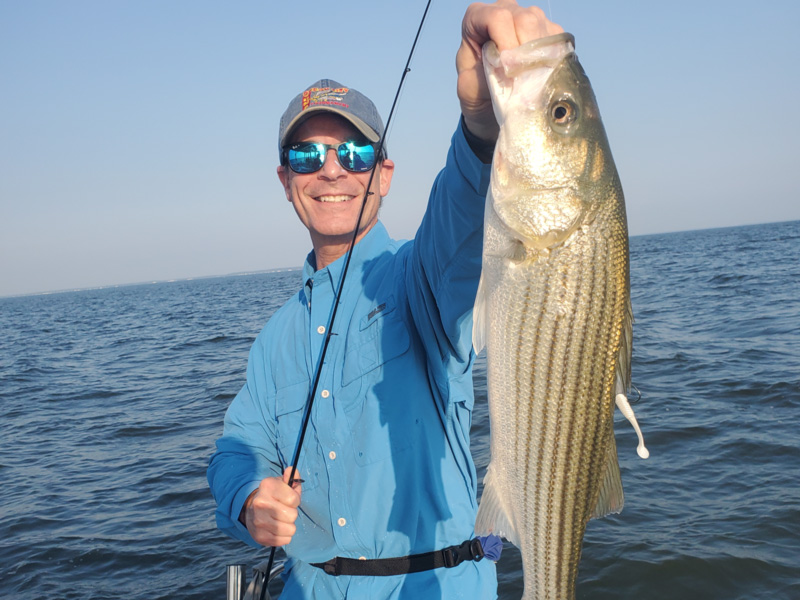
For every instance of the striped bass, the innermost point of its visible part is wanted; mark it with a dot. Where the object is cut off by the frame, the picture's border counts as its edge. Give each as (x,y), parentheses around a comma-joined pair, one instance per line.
(554,312)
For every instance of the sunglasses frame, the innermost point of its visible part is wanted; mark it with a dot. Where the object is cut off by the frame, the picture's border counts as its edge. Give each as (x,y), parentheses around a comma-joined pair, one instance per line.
(342,149)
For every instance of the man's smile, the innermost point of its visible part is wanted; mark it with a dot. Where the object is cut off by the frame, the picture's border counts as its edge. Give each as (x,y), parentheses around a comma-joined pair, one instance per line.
(334,198)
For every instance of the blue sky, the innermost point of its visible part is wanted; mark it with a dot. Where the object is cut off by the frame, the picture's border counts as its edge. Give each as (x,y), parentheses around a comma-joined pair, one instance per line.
(138,138)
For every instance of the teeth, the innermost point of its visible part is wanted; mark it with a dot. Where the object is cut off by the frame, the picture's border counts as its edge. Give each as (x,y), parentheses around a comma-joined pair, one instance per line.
(333,198)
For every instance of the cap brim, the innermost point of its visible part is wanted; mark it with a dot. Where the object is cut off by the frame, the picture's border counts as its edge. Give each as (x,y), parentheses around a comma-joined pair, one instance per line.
(365,129)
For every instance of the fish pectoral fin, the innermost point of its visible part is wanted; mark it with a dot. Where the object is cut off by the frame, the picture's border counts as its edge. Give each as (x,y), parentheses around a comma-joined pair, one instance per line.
(611,498)
(514,251)
(479,317)
(492,517)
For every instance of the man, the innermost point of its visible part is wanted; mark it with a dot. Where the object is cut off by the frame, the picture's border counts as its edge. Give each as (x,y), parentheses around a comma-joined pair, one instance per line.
(385,467)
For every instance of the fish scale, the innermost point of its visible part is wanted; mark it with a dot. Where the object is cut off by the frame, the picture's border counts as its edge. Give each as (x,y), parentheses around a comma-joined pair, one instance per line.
(553,310)
(555,346)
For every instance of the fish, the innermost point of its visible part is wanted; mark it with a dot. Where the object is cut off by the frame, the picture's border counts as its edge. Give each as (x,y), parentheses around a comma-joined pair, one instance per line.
(553,311)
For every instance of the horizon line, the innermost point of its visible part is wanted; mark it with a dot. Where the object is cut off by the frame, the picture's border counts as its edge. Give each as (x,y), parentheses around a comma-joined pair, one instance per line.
(286,269)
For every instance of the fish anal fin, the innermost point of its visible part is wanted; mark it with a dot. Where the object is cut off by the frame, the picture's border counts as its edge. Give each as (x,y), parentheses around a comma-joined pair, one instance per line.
(492,516)
(611,497)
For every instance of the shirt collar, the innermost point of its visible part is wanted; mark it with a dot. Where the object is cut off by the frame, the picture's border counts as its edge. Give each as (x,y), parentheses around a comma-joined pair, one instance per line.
(370,246)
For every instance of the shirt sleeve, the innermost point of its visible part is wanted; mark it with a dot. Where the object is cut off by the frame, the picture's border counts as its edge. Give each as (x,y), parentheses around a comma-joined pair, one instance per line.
(446,262)
(246,453)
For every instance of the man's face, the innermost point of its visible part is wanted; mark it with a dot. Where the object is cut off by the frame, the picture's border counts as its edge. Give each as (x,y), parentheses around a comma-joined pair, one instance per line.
(328,201)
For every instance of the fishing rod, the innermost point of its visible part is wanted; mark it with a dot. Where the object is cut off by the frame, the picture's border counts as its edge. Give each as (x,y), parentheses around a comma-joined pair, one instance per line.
(329,329)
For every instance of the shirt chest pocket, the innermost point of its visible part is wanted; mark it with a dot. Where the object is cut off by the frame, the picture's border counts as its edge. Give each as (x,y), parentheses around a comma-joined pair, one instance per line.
(290,404)
(373,379)
(381,336)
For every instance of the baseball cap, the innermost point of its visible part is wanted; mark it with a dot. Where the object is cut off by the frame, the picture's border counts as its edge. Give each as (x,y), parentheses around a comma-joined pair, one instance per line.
(331,96)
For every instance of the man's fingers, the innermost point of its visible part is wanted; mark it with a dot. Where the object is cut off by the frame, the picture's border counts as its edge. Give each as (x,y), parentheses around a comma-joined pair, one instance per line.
(506,23)
(530,24)
(275,493)
(270,513)
(297,484)
(275,508)
(270,532)
(501,27)
(273,512)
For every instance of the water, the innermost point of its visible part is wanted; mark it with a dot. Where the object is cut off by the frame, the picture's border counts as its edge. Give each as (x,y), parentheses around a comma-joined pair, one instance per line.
(112,400)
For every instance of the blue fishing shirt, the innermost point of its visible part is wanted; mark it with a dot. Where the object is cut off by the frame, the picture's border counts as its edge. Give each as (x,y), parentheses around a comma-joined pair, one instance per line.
(386,460)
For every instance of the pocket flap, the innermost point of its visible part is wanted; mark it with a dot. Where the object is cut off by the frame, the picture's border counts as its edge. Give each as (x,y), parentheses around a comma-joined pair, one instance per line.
(382,336)
(376,313)
(291,398)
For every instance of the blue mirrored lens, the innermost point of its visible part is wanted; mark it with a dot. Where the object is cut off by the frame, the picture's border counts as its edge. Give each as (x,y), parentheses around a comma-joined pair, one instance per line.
(308,157)
(356,158)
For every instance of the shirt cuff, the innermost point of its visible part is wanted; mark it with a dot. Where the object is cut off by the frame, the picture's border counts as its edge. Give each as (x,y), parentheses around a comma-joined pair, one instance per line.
(483,150)
(473,170)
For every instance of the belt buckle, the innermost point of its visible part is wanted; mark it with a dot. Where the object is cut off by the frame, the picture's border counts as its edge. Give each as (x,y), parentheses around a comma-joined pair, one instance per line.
(451,557)
(469,550)
(476,549)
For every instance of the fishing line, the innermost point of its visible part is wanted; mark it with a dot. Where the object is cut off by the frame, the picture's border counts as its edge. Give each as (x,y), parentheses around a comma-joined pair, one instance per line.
(328,331)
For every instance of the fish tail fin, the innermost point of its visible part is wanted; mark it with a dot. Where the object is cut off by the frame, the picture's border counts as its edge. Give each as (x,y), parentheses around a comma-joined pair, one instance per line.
(611,498)
(492,516)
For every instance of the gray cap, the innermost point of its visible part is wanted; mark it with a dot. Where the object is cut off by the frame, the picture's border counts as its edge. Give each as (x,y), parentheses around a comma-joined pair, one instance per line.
(331,96)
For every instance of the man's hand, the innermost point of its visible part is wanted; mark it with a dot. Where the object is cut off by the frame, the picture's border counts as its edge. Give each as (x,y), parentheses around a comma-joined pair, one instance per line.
(508,25)
(270,511)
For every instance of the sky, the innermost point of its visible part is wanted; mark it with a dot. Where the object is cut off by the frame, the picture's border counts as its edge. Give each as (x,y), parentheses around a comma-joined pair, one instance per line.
(138,138)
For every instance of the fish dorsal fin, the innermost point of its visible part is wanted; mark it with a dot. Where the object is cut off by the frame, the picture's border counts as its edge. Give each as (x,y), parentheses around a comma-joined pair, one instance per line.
(611,498)
(492,516)
(624,379)
(625,350)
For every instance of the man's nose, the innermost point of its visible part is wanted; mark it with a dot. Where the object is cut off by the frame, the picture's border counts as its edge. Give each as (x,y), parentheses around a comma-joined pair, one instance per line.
(331,167)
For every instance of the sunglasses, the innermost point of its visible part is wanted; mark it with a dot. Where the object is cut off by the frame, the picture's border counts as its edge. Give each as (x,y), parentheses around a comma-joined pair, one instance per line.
(308,157)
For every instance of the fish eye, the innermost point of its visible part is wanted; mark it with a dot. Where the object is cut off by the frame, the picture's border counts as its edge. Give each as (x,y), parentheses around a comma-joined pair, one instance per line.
(563,112)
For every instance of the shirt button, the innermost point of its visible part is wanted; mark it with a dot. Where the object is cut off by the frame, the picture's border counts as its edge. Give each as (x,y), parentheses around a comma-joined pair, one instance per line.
(321,329)
(362,558)
(332,454)
(325,393)
(342,522)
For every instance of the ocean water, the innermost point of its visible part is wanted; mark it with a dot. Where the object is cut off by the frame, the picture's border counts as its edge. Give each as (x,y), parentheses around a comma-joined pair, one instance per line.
(111,400)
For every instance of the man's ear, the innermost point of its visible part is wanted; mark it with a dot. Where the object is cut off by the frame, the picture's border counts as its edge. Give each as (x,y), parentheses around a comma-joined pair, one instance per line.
(387,170)
(283,175)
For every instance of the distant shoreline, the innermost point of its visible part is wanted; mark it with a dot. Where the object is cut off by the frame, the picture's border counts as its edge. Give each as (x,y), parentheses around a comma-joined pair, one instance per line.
(287,269)
(153,282)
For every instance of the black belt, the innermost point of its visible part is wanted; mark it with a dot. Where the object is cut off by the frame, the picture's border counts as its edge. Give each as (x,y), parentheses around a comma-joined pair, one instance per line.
(447,558)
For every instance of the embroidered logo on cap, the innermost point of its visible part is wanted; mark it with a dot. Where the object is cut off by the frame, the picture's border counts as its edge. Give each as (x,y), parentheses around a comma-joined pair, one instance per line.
(325,96)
